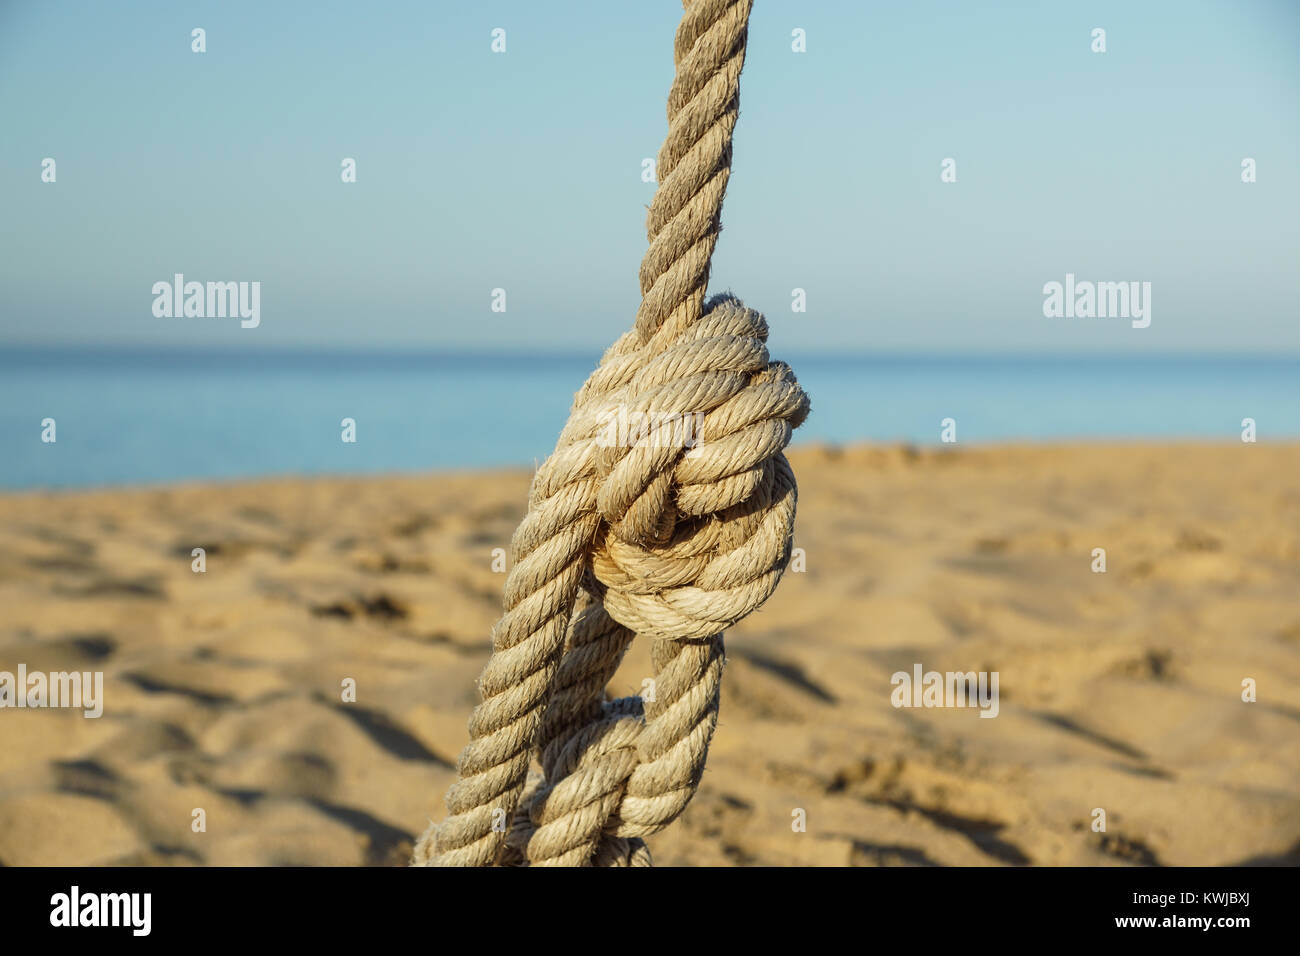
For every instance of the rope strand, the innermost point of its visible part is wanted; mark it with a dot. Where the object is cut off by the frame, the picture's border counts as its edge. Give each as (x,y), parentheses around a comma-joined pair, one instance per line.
(670,536)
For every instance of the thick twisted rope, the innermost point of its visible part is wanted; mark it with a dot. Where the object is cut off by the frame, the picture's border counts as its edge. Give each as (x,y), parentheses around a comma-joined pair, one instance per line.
(674,532)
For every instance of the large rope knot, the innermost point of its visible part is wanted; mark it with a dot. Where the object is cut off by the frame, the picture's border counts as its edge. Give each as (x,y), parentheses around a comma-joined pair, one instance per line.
(666,510)
(696,506)
(696,496)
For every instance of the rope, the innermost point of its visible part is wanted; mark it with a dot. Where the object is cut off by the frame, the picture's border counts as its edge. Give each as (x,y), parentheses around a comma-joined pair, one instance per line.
(648,534)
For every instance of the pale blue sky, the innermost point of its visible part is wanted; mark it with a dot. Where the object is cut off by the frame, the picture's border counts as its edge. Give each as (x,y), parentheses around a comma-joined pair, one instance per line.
(522,171)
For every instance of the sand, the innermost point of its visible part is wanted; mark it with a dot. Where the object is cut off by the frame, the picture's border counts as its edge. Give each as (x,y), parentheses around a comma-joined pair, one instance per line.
(1119,690)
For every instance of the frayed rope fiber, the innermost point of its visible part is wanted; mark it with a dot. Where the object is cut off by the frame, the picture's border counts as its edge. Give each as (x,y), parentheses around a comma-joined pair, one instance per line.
(647,537)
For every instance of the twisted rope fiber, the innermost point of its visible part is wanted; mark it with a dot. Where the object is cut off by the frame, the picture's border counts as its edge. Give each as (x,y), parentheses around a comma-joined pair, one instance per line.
(647,537)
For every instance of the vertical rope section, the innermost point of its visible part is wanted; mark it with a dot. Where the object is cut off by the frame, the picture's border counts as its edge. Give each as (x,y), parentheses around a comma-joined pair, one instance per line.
(672,530)
(694,163)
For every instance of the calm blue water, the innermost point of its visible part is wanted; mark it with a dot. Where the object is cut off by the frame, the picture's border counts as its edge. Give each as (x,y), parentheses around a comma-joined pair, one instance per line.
(153,417)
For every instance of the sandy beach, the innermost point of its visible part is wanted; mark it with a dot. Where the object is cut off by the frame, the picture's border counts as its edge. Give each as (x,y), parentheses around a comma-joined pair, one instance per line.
(1119,691)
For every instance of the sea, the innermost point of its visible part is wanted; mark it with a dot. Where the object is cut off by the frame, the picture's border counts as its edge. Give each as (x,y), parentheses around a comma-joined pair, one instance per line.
(128,417)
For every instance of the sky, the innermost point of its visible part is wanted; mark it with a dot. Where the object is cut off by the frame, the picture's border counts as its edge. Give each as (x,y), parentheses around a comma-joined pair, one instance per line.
(522,171)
